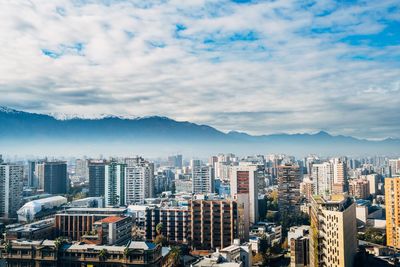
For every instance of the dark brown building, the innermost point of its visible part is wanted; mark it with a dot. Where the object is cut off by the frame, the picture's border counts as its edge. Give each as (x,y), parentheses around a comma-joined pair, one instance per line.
(214,223)
(47,254)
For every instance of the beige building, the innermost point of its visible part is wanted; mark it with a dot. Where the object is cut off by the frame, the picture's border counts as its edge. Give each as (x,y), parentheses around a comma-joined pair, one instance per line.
(333,232)
(392,200)
(359,188)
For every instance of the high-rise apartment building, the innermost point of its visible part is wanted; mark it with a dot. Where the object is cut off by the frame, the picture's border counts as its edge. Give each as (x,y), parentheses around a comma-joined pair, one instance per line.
(114,184)
(289,179)
(139,180)
(96,169)
(213,223)
(175,222)
(298,238)
(82,169)
(243,187)
(11,186)
(359,188)
(339,176)
(333,231)
(202,179)
(392,203)
(322,176)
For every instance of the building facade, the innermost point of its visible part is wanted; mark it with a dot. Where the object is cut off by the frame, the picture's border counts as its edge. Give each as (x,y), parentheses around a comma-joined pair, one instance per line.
(213,223)
(11,185)
(289,179)
(333,231)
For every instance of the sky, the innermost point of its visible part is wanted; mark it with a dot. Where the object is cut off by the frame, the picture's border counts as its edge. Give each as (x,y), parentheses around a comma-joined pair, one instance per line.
(260,67)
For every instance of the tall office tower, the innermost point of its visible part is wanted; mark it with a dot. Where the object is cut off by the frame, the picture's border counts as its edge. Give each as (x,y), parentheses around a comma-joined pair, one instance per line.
(202,179)
(55,178)
(359,188)
(392,203)
(114,184)
(97,169)
(32,178)
(11,186)
(322,176)
(82,169)
(213,223)
(289,179)
(339,176)
(139,180)
(333,231)
(243,185)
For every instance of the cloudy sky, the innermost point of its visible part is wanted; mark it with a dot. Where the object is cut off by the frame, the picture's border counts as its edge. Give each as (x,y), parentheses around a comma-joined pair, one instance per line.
(255,66)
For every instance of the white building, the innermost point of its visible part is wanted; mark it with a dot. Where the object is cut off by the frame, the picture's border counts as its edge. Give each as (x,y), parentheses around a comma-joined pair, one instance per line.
(202,179)
(139,181)
(11,186)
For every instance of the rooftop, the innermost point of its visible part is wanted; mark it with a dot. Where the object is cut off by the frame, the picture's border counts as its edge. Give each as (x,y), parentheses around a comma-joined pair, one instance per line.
(112,219)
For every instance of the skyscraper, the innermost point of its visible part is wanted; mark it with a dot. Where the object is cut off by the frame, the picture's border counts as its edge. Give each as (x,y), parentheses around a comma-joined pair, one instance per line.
(139,180)
(97,170)
(392,203)
(175,161)
(333,231)
(11,186)
(55,178)
(114,182)
(289,179)
(81,168)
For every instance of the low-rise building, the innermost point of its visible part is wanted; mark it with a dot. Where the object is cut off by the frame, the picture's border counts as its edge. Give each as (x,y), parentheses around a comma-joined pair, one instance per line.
(113,230)
(34,231)
(48,253)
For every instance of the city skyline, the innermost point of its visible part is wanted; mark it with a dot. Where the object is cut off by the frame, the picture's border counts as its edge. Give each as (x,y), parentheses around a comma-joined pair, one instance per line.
(260,67)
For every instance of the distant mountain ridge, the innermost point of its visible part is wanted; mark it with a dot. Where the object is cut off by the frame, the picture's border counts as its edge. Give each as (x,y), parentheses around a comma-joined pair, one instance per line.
(24,127)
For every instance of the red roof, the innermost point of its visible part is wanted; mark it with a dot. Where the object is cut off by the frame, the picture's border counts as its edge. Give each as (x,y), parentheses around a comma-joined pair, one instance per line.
(112,219)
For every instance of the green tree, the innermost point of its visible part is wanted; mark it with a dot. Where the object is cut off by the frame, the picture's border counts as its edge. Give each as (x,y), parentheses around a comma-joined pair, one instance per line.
(174,257)
(103,253)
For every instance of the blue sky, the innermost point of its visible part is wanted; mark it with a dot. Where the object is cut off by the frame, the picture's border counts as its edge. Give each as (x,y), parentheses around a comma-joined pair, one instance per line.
(256,66)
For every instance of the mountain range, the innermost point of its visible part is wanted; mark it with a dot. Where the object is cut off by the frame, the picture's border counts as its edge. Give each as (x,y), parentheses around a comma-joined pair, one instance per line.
(24,132)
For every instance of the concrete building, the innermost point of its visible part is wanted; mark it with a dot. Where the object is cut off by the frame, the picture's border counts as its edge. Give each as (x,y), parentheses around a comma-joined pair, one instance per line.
(82,169)
(76,222)
(373,182)
(139,180)
(175,221)
(359,188)
(11,185)
(322,177)
(113,230)
(38,230)
(392,203)
(202,179)
(339,176)
(243,188)
(289,179)
(333,231)
(46,253)
(213,223)
(298,238)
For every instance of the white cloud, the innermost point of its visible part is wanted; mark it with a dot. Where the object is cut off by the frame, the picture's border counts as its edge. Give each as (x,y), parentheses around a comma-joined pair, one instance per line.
(293,73)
